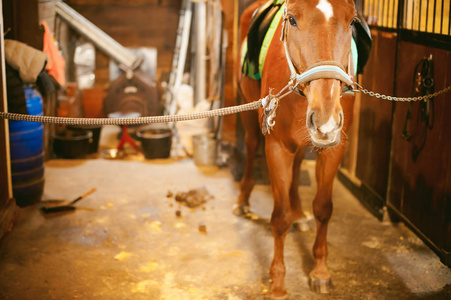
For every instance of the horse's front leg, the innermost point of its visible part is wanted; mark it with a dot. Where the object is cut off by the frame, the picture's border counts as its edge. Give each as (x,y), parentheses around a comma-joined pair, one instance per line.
(327,162)
(280,165)
(249,89)
(251,139)
(299,217)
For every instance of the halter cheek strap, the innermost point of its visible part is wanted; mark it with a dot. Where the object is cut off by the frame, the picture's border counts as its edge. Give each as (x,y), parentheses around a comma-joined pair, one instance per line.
(321,70)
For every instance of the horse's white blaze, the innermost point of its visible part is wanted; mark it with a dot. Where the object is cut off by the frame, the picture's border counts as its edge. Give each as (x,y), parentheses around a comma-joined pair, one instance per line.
(326,8)
(328,126)
(332,89)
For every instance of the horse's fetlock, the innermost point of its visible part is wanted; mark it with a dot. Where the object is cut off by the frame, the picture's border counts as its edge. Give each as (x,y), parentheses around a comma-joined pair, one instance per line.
(277,270)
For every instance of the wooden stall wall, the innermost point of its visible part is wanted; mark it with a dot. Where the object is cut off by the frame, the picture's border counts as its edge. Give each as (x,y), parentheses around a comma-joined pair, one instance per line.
(374,126)
(375,132)
(420,189)
(388,176)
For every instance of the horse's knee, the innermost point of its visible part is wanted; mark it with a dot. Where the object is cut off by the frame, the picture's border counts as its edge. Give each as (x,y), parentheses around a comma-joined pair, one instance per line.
(281,221)
(322,210)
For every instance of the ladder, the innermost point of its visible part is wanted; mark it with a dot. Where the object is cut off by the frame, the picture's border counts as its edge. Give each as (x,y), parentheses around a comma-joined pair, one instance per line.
(179,58)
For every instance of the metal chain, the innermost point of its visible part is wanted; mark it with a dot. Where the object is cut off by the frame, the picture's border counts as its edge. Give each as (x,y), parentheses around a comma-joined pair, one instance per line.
(402,99)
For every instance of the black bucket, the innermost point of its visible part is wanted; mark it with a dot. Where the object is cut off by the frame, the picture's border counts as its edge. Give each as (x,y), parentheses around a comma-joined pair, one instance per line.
(155,142)
(95,129)
(72,143)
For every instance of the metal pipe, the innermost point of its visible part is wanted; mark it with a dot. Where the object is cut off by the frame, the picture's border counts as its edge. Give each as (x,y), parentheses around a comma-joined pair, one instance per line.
(4,101)
(94,34)
(184,45)
(200,27)
(179,58)
(433,18)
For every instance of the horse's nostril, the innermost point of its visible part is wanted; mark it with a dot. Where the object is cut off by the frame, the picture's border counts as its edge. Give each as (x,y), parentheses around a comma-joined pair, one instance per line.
(311,123)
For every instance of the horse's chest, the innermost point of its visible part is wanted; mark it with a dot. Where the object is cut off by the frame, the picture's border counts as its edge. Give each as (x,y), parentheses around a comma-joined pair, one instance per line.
(290,122)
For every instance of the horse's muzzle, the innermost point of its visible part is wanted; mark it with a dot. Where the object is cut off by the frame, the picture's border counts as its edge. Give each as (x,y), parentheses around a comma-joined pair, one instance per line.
(324,134)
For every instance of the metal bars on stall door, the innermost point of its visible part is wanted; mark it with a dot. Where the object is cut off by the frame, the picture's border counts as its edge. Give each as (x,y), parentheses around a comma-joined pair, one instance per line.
(431,16)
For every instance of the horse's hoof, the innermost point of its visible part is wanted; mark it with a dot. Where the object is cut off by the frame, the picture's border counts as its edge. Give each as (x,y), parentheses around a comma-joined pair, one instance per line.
(302,224)
(241,210)
(322,286)
(275,297)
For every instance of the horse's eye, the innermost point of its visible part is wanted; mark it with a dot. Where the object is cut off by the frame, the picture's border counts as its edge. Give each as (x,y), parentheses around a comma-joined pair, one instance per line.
(292,21)
(355,20)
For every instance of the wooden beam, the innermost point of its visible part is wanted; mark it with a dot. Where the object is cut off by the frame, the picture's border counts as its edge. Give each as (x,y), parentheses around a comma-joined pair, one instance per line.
(7,204)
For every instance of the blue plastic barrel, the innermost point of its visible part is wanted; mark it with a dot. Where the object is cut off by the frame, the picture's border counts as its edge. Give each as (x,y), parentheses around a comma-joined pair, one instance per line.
(27,153)
(26,142)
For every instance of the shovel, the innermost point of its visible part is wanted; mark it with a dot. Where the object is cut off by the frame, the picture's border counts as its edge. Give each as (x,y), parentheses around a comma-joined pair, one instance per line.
(68,207)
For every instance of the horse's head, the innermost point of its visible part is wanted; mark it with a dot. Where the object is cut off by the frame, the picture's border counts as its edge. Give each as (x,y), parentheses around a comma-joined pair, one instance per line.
(318,31)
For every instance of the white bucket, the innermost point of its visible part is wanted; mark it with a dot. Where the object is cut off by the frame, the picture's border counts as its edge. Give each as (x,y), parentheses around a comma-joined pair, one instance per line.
(204,150)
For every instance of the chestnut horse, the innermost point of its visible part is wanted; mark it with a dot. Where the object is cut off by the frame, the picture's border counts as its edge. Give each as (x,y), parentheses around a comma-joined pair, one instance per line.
(314,31)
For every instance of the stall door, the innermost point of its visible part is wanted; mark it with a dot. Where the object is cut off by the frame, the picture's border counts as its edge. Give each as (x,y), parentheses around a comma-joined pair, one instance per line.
(419,187)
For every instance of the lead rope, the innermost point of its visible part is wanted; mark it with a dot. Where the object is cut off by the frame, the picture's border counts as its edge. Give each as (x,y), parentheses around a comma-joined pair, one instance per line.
(153,119)
(133,121)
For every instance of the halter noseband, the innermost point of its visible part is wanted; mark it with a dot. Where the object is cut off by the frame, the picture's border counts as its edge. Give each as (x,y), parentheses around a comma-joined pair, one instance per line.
(321,70)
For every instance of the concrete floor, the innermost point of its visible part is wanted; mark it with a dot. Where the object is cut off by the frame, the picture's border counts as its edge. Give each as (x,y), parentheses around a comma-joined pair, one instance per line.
(126,242)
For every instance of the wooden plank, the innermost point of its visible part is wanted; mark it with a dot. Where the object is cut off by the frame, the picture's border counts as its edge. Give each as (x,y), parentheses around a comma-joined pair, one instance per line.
(376,115)
(350,157)
(231,13)
(7,203)
(26,23)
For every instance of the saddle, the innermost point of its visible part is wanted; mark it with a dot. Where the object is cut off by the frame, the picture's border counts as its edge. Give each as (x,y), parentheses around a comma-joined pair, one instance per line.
(362,37)
(262,24)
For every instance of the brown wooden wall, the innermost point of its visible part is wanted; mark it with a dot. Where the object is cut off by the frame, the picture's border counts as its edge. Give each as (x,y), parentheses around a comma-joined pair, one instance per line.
(421,190)
(18,16)
(374,137)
